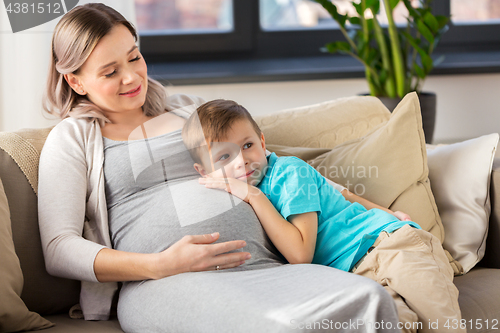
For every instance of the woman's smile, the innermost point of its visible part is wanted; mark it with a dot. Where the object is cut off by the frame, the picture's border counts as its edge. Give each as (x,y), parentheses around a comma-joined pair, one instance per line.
(132,93)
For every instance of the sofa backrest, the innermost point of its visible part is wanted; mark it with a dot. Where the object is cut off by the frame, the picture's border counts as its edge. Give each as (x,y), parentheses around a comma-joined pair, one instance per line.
(492,255)
(19,155)
(324,125)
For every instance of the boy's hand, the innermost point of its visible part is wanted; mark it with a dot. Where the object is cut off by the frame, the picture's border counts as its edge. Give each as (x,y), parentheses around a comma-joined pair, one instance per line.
(402,216)
(236,187)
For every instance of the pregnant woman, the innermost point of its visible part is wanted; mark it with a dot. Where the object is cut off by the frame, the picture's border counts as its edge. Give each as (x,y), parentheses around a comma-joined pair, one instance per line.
(119,201)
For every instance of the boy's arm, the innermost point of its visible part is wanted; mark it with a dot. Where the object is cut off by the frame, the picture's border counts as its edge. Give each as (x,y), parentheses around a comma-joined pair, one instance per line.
(296,240)
(370,205)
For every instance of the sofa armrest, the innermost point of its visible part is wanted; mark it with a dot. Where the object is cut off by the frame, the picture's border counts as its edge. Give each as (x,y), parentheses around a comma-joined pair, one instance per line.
(492,255)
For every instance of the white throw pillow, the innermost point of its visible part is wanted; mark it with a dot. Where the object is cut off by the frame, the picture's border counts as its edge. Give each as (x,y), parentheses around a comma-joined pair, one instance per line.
(460,180)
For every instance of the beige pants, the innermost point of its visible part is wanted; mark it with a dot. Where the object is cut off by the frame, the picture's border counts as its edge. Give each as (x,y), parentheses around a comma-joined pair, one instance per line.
(412,266)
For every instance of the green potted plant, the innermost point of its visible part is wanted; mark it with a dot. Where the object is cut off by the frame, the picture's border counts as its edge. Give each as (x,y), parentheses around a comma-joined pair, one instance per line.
(396,60)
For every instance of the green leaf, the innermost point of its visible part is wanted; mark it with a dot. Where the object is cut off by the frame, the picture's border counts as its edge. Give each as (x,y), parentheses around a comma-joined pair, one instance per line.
(427,62)
(424,30)
(340,47)
(415,44)
(334,13)
(361,47)
(420,72)
(442,20)
(412,40)
(383,76)
(359,8)
(411,10)
(370,24)
(431,21)
(374,6)
(354,20)
(393,3)
(421,11)
(372,57)
(372,3)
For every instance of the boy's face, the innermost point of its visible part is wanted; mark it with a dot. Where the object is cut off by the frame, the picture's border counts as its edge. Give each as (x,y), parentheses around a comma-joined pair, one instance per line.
(241,155)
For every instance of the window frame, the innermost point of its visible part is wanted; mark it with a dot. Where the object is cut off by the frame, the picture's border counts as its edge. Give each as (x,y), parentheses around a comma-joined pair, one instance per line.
(465,37)
(250,43)
(171,47)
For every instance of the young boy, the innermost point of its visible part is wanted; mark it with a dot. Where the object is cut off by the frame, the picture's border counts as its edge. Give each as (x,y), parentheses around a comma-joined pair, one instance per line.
(309,221)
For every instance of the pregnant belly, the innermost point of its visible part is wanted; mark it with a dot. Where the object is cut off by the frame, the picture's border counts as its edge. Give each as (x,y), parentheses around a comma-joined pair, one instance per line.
(152,220)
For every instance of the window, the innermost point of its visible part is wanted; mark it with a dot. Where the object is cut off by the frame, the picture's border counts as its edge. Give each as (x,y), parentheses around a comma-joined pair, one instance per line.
(475,12)
(180,29)
(156,17)
(290,14)
(203,30)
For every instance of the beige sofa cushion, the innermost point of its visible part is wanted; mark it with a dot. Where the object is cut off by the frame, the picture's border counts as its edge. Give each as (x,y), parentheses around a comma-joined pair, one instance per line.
(460,176)
(387,166)
(14,315)
(19,154)
(324,125)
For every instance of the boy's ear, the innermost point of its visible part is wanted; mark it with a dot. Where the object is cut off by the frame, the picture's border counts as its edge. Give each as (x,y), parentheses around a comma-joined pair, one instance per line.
(263,141)
(200,169)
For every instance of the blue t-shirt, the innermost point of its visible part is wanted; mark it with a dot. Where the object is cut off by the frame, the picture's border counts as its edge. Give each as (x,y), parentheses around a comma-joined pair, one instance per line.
(345,230)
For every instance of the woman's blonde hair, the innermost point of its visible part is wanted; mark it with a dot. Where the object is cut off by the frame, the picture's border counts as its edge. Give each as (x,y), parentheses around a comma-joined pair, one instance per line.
(74,39)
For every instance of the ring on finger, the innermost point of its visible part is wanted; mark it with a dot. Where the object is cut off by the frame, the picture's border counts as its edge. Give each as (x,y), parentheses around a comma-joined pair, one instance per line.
(217,268)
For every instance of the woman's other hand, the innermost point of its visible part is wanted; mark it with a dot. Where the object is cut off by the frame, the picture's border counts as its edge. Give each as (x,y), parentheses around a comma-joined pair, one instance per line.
(402,216)
(195,253)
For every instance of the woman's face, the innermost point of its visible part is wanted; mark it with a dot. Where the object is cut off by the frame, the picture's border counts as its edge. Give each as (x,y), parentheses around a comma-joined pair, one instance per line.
(114,77)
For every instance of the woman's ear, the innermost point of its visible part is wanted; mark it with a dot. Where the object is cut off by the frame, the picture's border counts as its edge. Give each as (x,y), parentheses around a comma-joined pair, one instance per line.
(200,169)
(74,83)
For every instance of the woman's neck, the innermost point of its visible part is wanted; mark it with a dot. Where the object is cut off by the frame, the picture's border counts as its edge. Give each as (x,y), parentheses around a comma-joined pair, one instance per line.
(123,123)
(127,118)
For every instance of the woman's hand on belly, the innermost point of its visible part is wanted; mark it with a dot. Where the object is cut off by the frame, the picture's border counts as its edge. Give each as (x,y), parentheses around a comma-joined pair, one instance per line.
(195,253)
(190,254)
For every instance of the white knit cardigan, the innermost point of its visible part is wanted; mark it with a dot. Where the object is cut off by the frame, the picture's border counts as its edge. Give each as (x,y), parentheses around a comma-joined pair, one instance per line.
(72,207)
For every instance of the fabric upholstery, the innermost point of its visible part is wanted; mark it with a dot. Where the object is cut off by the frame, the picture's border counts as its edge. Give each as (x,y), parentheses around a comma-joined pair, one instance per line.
(324,125)
(303,153)
(42,292)
(14,315)
(460,176)
(492,255)
(479,295)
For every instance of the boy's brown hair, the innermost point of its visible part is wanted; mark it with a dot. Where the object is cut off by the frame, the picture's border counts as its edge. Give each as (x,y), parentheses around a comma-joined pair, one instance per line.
(211,123)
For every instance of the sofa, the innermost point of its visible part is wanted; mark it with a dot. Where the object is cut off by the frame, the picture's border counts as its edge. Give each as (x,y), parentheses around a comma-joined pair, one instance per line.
(349,132)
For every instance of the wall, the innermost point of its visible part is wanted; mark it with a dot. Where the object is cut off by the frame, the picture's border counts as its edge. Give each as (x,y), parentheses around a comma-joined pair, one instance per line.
(468,105)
